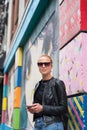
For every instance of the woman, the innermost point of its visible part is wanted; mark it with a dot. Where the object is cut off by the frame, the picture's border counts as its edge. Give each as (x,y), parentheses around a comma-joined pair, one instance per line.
(50,101)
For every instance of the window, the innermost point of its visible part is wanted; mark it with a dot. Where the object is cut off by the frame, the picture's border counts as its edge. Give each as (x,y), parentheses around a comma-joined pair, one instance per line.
(15,9)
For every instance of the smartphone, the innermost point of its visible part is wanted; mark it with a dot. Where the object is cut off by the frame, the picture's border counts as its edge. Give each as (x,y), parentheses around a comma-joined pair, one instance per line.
(28,106)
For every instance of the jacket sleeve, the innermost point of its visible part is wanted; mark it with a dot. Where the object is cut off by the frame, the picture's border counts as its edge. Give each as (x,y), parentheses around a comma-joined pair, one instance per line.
(61,106)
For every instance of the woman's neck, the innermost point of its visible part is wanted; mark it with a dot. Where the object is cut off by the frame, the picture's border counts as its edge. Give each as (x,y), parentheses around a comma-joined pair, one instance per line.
(46,77)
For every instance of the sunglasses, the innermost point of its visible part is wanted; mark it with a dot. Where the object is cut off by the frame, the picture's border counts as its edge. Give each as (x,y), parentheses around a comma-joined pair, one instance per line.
(46,64)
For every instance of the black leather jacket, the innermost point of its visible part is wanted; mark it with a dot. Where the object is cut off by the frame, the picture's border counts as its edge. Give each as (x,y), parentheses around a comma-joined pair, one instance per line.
(52,109)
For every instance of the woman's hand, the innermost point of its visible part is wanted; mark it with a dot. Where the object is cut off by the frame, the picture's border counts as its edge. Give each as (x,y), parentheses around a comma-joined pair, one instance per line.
(35,108)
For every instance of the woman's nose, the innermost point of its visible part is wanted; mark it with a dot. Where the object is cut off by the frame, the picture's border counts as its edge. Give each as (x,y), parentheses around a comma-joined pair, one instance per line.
(43,65)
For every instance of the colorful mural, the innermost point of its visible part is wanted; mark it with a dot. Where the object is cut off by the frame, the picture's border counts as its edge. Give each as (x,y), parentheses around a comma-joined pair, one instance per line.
(44,44)
(73,65)
(77,111)
(4,100)
(17,89)
(70,20)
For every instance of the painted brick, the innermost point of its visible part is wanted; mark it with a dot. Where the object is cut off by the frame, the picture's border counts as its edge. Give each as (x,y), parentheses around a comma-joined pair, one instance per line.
(5,79)
(4,104)
(18,75)
(4,117)
(5,90)
(17,97)
(18,58)
(16,119)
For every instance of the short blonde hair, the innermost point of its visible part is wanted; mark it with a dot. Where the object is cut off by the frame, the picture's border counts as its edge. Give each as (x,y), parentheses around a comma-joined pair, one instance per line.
(45,55)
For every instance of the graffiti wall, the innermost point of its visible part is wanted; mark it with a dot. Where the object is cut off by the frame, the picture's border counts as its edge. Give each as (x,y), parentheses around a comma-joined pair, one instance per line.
(77,111)
(43,44)
(70,20)
(73,64)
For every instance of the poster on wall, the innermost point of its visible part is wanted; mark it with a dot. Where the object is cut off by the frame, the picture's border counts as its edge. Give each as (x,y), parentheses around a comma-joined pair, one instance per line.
(44,44)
